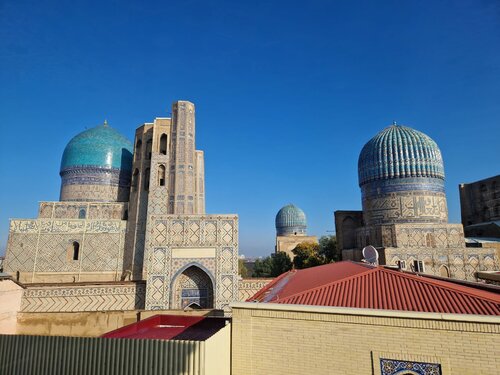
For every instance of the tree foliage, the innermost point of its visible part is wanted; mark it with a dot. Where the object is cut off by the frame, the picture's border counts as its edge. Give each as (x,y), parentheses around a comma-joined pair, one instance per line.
(242,269)
(281,263)
(273,265)
(307,255)
(328,248)
(262,267)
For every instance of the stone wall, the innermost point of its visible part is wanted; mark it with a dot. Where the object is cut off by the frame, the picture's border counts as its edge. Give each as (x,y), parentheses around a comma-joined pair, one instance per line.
(83,297)
(295,340)
(44,250)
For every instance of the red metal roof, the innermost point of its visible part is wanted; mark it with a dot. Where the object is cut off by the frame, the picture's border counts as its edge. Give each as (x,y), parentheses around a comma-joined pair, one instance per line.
(379,288)
(296,281)
(171,327)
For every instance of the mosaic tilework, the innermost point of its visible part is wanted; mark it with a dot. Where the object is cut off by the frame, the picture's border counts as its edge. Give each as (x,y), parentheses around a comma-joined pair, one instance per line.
(393,367)
(405,207)
(398,152)
(218,232)
(248,287)
(83,298)
(46,245)
(459,263)
(73,210)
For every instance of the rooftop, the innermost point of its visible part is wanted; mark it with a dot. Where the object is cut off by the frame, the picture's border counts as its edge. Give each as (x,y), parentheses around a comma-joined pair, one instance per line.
(171,327)
(357,285)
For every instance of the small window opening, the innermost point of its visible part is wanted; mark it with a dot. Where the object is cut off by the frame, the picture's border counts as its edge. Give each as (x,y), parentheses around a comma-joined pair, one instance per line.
(82,213)
(146,179)
(125,215)
(149,146)
(76,250)
(135,179)
(138,149)
(163,144)
(161,175)
(18,275)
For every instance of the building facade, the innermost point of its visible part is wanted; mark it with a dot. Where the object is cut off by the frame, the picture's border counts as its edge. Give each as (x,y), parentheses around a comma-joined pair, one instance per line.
(291,229)
(405,214)
(133,212)
(480,207)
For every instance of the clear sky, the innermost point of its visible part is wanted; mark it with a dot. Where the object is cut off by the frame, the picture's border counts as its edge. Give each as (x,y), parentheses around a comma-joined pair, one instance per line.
(286,92)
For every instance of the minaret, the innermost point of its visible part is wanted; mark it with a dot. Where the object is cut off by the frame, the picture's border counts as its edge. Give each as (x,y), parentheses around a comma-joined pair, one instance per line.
(183,198)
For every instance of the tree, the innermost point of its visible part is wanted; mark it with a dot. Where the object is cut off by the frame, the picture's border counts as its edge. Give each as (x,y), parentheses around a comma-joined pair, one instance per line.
(281,263)
(307,255)
(273,265)
(328,248)
(242,269)
(262,267)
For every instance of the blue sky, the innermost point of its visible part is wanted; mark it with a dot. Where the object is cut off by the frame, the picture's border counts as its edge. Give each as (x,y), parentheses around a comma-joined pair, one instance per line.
(286,92)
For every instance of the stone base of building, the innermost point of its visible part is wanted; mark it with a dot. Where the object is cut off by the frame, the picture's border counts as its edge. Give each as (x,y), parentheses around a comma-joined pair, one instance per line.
(287,243)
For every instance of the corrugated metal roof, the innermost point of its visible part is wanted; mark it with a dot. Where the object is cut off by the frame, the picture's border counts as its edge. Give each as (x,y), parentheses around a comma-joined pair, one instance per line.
(171,327)
(381,288)
(296,281)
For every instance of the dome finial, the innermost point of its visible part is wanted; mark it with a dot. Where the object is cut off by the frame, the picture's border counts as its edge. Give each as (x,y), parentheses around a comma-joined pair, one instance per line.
(105,122)
(394,123)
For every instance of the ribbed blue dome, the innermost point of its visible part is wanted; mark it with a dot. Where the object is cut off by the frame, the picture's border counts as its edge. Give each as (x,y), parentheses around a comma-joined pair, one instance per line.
(291,220)
(399,152)
(101,147)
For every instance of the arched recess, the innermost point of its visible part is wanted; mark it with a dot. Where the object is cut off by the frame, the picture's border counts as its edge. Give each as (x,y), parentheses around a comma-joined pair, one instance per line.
(161,175)
(192,285)
(444,271)
(135,179)
(149,148)
(163,144)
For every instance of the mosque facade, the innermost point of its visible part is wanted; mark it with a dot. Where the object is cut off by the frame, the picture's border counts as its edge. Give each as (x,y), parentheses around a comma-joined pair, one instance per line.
(131,213)
(404,211)
(291,229)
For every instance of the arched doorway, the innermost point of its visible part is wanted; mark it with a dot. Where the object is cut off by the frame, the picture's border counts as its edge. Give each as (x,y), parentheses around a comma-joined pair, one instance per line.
(193,288)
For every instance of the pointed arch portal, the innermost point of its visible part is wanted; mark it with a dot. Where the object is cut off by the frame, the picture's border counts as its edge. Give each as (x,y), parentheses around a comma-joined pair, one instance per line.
(193,288)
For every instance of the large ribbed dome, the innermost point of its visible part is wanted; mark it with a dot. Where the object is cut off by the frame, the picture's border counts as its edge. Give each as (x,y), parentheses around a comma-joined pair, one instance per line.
(399,152)
(101,146)
(291,220)
(96,166)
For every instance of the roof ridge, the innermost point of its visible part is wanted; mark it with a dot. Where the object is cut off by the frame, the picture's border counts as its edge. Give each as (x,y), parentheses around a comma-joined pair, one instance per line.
(437,283)
(331,283)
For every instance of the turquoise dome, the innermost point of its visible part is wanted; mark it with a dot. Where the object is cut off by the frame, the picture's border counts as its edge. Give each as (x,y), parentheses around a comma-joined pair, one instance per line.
(399,152)
(101,147)
(291,220)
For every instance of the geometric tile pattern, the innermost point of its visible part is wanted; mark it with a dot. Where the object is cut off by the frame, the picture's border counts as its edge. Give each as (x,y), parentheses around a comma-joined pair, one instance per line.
(393,367)
(249,287)
(165,232)
(83,298)
(46,245)
(71,210)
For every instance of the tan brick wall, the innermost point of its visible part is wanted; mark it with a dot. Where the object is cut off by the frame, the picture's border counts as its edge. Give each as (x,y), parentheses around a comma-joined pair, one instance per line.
(275,339)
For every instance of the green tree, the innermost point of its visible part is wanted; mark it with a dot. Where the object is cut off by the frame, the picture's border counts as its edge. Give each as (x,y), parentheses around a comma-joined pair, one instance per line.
(328,248)
(307,255)
(242,269)
(281,263)
(262,267)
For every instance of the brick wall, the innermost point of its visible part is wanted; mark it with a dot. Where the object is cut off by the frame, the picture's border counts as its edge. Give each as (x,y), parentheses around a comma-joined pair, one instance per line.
(289,339)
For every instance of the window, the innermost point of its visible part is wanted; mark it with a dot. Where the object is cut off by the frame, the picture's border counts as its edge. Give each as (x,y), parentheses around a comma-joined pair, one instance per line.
(149,146)
(138,149)
(125,215)
(135,179)
(146,179)
(82,214)
(161,175)
(76,250)
(163,144)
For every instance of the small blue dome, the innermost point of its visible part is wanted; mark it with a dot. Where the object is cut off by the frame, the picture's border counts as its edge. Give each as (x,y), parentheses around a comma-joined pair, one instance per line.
(291,220)
(101,147)
(399,152)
